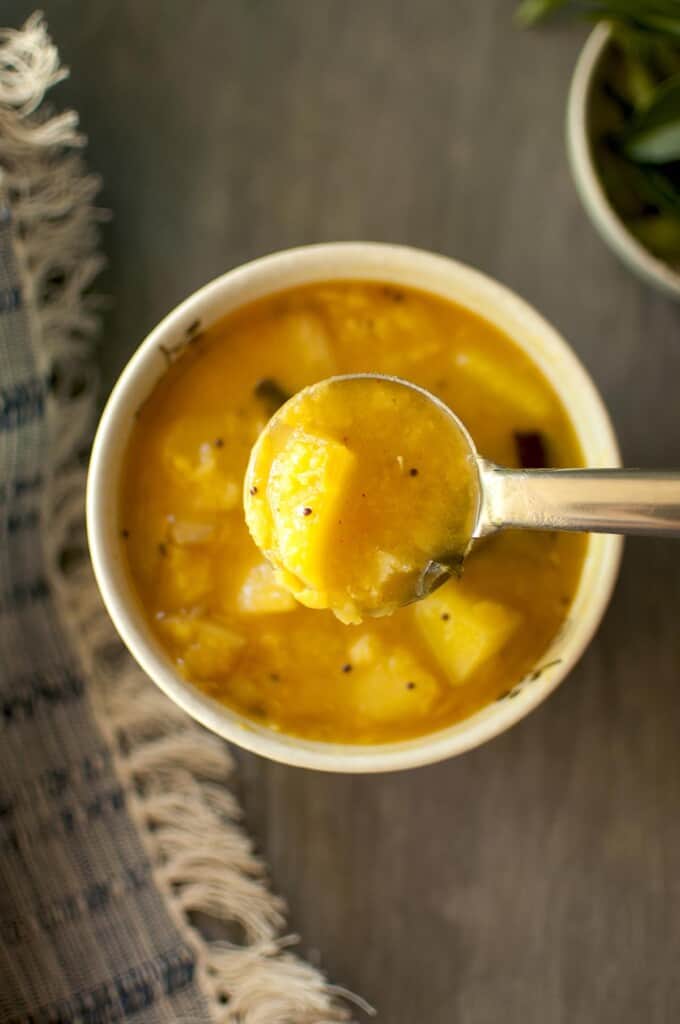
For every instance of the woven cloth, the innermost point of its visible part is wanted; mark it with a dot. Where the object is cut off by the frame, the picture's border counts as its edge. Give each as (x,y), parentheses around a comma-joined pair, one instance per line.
(116,826)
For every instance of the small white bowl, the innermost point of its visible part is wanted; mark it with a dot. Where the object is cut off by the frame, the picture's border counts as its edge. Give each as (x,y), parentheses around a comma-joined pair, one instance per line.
(593,196)
(342,261)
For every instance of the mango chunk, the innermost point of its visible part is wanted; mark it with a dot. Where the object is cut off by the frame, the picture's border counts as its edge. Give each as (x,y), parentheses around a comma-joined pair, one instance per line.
(463,631)
(186,574)
(367,649)
(185,532)
(207,647)
(526,395)
(178,629)
(393,687)
(260,594)
(190,456)
(306,485)
(308,343)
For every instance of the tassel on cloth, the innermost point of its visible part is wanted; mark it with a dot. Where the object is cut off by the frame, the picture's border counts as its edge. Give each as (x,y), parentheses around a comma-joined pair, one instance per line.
(174,775)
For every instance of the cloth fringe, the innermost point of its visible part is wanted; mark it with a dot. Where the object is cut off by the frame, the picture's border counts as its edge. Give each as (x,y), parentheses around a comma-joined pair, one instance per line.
(174,771)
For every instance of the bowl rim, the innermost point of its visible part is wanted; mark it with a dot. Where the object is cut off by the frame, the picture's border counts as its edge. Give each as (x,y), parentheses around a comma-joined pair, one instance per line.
(604,217)
(371,261)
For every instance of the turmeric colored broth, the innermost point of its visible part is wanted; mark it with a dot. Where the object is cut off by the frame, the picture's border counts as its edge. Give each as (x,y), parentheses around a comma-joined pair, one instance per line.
(214,602)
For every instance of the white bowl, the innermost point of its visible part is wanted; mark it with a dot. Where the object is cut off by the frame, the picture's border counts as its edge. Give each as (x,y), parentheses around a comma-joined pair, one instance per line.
(342,261)
(593,196)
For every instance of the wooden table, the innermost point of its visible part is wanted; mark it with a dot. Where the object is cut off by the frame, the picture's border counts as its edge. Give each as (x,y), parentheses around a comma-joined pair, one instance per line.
(538,878)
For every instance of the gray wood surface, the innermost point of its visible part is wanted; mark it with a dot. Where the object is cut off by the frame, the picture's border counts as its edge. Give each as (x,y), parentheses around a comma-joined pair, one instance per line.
(538,878)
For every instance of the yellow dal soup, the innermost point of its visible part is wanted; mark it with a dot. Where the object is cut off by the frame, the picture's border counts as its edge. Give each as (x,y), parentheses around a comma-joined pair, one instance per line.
(217,605)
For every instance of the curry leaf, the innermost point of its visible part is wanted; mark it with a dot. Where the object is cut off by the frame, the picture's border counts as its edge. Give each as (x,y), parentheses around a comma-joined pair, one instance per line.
(654,133)
(656,188)
(658,16)
(655,145)
(531,11)
(271,394)
(659,234)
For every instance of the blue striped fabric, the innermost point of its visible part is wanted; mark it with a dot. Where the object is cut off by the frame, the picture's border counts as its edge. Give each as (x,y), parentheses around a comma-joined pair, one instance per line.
(85,935)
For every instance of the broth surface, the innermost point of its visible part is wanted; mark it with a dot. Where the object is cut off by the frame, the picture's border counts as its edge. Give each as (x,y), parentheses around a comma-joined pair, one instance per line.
(213,601)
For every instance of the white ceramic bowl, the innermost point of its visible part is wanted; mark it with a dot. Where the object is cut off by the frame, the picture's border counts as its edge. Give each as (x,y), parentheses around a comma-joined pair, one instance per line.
(605,218)
(342,261)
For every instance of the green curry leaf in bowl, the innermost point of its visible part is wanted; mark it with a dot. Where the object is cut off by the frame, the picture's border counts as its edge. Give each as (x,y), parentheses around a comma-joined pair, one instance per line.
(657,16)
(653,136)
(635,113)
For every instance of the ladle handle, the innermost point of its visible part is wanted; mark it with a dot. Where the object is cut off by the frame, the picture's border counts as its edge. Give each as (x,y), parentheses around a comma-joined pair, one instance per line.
(587,500)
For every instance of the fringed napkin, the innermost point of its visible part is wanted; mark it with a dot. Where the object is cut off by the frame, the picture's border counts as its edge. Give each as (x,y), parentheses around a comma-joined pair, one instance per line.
(116,823)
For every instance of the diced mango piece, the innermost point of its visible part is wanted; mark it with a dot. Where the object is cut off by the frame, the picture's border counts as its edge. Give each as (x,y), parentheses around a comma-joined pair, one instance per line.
(213,651)
(185,532)
(385,566)
(260,594)
(393,687)
(190,455)
(217,493)
(306,484)
(528,396)
(367,649)
(179,629)
(463,631)
(207,647)
(187,574)
(308,345)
